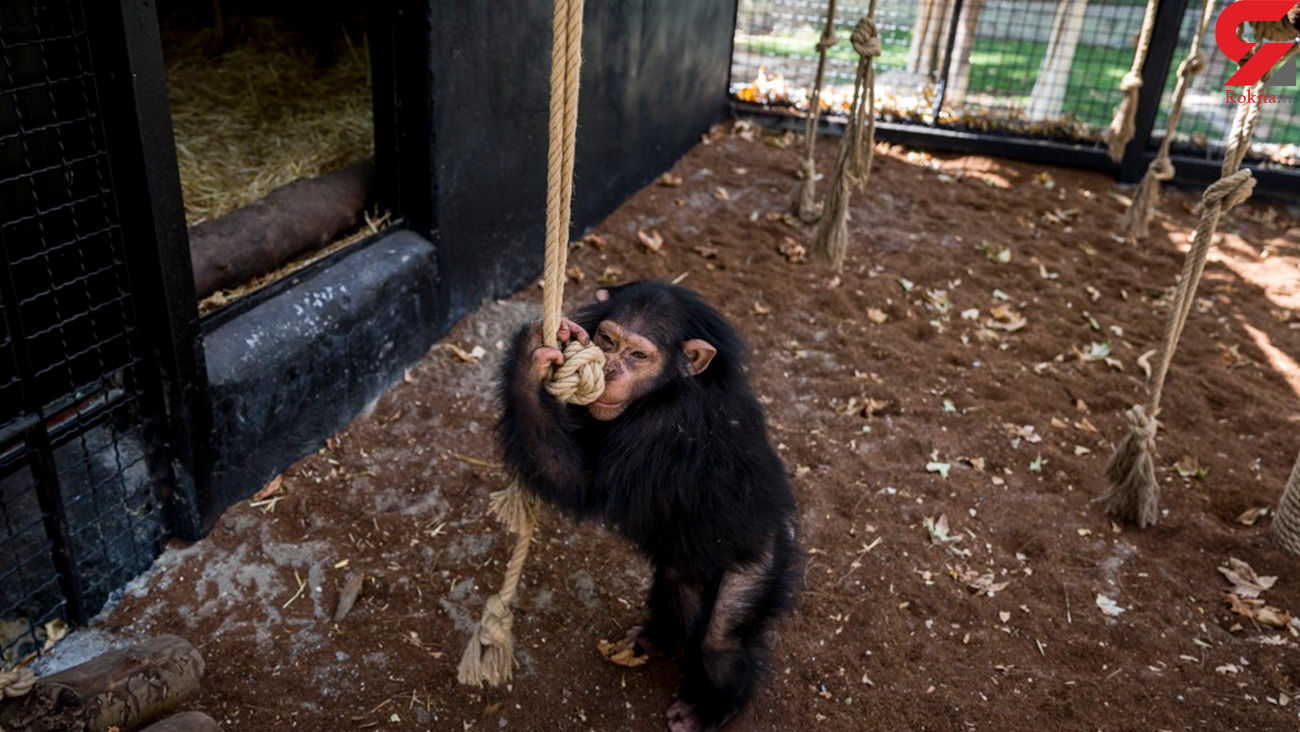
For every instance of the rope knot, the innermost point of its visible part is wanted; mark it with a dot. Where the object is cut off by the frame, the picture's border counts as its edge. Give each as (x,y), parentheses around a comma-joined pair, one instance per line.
(581,378)
(495,625)
(1130,83)
(828,40)
(1162,168)
(17,682)
(1192,65)
(866,38)
(1229,191)
(1143,426)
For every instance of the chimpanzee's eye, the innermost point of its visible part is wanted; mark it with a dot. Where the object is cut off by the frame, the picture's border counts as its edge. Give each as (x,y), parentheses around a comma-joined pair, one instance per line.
(639,355)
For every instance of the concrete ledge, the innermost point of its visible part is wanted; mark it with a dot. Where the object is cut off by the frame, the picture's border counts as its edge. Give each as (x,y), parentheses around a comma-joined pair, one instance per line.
(295,369)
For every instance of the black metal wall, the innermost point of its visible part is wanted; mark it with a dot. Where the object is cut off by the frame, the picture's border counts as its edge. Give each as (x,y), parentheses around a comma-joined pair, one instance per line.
(654,78)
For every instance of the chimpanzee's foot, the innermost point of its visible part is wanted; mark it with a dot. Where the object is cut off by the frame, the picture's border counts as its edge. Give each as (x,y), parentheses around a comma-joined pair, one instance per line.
(643,643)
(681,717)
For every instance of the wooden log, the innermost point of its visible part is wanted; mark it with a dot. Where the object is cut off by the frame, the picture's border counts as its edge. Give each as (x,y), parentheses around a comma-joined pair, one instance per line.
(185,722)
(124,688)
(292,220)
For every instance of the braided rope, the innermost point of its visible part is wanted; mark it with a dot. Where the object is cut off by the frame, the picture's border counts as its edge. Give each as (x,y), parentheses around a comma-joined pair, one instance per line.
(805,199)
(1286,520)
(1133,489)
(1124,125)
(16,682)
(580,379)
(1137,219)
(854,159)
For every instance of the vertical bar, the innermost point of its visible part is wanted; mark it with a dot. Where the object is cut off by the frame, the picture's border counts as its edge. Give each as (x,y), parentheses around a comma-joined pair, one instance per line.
(48,494)
(1155,73)
(131,83)
(947,61)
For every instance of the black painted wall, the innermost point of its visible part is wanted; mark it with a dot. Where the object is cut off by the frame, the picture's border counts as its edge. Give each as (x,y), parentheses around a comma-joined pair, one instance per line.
(654,78)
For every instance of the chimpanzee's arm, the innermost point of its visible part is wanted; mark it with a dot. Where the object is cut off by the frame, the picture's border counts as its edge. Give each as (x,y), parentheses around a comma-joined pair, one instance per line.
(538,433)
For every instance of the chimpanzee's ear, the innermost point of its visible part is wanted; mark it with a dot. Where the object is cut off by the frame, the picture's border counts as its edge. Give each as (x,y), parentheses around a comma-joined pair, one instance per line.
(602,295)
(699,354)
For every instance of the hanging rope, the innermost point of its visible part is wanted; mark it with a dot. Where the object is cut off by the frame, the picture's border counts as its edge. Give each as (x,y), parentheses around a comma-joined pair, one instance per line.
(1124,125)
(489,656)
(805,191)
(16,683)
(853,162)
(1146,197)
(1134,493)
(1286,520)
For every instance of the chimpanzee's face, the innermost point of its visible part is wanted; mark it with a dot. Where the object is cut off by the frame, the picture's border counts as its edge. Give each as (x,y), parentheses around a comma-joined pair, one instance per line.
(633,364)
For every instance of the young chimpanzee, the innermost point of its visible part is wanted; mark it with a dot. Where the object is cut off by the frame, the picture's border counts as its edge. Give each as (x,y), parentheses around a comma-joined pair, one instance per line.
(675,456)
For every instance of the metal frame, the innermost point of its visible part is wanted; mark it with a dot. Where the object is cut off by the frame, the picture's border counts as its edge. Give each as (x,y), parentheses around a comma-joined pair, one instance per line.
(142,155)
(1273,181)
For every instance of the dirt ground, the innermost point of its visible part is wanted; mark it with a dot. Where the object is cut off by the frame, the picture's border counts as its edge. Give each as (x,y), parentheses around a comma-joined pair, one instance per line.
(998,427)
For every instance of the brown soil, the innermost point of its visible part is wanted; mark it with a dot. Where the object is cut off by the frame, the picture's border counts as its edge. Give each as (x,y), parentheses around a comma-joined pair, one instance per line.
(886,636)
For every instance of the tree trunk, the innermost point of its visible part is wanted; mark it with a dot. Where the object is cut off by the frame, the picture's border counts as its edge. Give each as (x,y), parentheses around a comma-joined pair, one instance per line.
(124,688)
(1048,97)
(959,80)
(293,219)
(928,35)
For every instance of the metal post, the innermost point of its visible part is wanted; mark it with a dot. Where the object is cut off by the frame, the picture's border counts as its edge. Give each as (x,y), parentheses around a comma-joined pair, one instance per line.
(132,87)
(1160,59)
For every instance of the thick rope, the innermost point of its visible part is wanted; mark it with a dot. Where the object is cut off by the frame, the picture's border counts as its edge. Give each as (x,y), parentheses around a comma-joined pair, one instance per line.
(1137,219)
(489,656)
(853,162)
(1134,493)
(16,682)
(1124,125)
(1286,520)
(805,191)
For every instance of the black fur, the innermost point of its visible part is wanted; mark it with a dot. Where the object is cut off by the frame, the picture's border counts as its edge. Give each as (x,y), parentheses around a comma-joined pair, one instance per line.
(686,473)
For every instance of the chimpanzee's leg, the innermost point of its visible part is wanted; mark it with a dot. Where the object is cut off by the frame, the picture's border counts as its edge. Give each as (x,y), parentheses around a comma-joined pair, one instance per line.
(725,662)
(674,605)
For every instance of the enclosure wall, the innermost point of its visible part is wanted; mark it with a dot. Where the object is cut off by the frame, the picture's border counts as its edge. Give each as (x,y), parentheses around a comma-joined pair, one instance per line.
(654,78)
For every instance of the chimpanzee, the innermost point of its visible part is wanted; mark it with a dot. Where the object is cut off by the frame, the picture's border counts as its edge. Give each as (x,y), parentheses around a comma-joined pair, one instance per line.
(675,456)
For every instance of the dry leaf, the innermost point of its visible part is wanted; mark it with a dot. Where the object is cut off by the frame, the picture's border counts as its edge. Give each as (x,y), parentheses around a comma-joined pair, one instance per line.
(621,652)
(761,309)
(877,316)
(595,240)
(1245,582)
(575,273)
(792,250)
(271,489)
(668,180)
(654,241)
(1251,515)
(707,251)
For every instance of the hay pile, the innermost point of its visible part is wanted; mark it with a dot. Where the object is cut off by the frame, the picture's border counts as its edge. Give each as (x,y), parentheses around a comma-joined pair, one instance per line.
(262,112)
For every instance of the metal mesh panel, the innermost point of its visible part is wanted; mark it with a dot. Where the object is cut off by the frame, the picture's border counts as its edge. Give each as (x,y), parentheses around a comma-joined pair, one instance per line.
(1034,68)
(1207,115)
(79,515)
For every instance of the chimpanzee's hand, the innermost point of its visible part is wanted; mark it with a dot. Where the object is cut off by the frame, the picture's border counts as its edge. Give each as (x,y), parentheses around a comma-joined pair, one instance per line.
(542,358)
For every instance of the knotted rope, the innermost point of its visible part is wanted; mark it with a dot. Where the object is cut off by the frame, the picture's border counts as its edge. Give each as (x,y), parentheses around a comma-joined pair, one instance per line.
(1134,493)
(489,656)
(16,682)
(853,162)
(805,201)
(1146,197)
(1286,520)
(1124,125)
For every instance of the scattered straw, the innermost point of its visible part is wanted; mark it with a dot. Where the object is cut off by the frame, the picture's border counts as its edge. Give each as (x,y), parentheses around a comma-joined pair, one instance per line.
(262,114)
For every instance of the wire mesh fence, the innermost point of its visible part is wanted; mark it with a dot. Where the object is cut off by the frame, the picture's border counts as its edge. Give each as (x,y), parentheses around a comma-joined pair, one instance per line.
(1207,115)
(80,457)
(1047,69)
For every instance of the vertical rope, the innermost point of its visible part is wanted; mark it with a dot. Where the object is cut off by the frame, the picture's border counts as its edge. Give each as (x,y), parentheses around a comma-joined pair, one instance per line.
(489,655)
(1286,520)
(854,159)
(1134,493)
(805,191)
(1137,219)
(1124,126)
